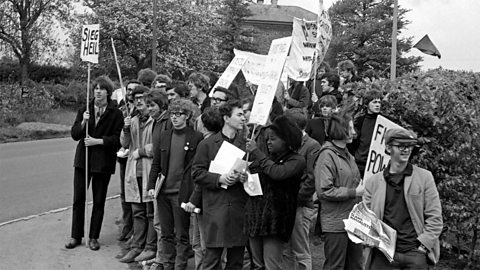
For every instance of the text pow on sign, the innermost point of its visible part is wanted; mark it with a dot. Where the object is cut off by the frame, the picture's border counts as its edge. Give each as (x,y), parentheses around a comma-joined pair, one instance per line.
(377,158)
(89,48)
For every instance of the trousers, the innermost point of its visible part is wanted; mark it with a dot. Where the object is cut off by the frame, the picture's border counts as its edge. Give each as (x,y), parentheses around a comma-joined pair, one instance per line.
(99,185)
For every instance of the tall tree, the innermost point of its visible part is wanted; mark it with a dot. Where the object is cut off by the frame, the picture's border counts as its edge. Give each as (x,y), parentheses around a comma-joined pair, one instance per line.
(232,32)
(25,27)
(362,33)
(184,36)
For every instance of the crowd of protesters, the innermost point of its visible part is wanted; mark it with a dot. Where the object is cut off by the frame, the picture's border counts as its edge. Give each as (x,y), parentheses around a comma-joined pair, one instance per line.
(164,130)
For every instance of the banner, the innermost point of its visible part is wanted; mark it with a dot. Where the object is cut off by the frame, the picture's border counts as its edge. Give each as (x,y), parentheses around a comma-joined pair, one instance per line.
(266,90)
(254,67)
(90,45)
(230,72)
(377,158)
(304,43)
(324,32)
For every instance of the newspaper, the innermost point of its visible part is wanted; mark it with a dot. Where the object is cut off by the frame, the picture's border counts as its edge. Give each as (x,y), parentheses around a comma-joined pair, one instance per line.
(363,227)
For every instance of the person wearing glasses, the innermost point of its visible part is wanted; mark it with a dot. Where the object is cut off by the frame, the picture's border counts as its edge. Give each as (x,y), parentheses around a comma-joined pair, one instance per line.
(405,197)
(219,97)
(127,108)
(173,161)
(137,137)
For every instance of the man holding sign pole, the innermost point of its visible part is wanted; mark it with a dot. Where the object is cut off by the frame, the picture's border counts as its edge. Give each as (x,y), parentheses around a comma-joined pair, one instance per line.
(102,140)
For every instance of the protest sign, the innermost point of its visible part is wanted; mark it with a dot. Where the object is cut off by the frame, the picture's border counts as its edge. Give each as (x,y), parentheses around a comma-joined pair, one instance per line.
(377,158)
(230,72)
(90,45)
(364,227)
(266,90)
(254,67)
(304,42)
(324,32)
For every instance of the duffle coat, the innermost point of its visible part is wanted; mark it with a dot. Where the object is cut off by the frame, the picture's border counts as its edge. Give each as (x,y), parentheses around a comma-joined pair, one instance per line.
(223,209)
(131,139)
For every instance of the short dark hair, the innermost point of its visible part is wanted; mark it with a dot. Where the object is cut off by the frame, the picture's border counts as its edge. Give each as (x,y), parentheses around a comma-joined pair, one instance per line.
(200,80)
(146,76)
(333,79)
(297,116)
(157,97)
(227,108)
(325,66)
(249,101)
(132,82)
(161,78)
(105,83)
(329,100)
(371,74)
(224,90)
(181,89)
(140,90)
(212,120)
(338,126)
(348,66)
(372,95)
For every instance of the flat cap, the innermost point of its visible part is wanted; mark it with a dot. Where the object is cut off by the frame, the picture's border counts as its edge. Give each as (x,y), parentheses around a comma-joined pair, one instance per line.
(400,135)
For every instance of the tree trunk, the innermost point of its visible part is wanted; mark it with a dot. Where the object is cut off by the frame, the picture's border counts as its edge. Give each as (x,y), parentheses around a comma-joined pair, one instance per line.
(474,240)
(26,44)
(24,68)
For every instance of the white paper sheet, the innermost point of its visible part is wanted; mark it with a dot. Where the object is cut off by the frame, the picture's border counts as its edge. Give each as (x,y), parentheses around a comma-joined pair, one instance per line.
(253,186)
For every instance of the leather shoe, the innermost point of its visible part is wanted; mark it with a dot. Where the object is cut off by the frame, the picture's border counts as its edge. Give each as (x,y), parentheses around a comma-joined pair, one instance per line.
(130,256)
(146,254)
(93,244)
(72,243)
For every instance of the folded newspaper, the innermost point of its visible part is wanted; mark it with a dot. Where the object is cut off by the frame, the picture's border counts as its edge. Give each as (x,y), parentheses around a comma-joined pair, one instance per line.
(363,227)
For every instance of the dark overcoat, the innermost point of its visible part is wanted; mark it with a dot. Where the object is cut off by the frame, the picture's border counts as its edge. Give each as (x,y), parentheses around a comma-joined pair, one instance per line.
(223,209)
(273,214)
(102,158)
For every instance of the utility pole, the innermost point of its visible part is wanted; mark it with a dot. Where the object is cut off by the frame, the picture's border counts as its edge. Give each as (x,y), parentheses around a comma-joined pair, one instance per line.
(154,38)
(393,59)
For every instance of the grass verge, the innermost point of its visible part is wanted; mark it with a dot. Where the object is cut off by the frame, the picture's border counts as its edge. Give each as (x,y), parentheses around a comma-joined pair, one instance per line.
(56,116)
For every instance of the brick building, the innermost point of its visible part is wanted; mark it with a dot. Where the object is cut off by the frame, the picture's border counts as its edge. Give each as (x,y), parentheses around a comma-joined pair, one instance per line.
(272,21)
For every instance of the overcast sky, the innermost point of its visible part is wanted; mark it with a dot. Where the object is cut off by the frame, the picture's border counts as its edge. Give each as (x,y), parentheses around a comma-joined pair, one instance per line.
(452,25)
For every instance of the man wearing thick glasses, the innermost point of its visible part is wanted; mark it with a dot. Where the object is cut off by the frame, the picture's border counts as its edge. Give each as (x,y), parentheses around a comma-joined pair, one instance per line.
(405,197)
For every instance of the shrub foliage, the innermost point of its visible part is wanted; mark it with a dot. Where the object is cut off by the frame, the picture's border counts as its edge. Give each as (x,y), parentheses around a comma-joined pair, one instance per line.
(443,108)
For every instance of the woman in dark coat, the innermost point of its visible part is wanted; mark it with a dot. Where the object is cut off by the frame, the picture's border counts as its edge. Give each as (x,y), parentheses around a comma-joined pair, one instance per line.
(105,122)
(269,219)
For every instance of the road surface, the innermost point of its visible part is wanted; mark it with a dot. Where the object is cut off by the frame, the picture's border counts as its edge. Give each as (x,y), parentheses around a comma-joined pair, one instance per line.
(37,176)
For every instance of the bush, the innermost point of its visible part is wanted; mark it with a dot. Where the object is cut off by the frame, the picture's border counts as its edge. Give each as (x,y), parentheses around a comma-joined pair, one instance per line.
(18,102)
(71,96)
(443,108)
(10,72)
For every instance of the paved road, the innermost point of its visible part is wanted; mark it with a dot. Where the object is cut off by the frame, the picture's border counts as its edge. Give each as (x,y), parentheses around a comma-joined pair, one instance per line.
(37,176)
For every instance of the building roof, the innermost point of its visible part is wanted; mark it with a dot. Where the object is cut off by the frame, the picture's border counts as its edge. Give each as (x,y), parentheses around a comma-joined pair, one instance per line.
(276,14)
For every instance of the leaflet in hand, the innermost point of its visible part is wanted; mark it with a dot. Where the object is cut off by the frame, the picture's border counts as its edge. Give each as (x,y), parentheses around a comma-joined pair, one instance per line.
(225,159)
(252,186)
(363,227)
